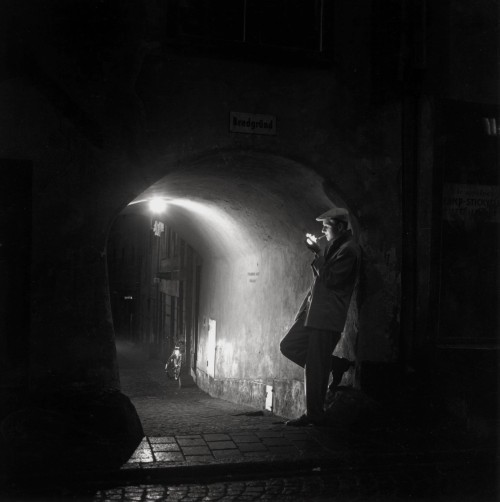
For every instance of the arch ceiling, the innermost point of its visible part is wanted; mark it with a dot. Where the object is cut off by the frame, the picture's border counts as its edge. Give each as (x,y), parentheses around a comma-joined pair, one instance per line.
(234,204)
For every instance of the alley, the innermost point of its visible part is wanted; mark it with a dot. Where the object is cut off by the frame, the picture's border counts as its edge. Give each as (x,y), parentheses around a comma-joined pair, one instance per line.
(166,409)
(184,425)
(200,448)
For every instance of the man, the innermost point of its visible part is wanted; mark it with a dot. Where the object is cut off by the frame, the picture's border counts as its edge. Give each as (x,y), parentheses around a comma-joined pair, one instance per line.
(322,315)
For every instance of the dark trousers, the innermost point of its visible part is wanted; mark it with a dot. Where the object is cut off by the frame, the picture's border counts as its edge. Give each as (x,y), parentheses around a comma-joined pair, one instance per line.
(311,349)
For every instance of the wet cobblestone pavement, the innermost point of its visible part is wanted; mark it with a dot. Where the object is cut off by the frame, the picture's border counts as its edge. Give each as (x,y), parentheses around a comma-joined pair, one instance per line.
(415,484)
(186,427)
(197,448)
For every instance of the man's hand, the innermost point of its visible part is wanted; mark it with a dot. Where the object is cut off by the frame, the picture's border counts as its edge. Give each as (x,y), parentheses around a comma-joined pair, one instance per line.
(312,245)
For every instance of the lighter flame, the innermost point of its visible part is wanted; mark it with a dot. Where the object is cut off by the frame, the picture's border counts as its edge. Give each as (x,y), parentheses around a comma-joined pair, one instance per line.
(313,238)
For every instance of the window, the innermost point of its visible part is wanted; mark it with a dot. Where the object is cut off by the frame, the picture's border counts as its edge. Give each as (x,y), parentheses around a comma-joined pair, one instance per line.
(288,24)
(467,236)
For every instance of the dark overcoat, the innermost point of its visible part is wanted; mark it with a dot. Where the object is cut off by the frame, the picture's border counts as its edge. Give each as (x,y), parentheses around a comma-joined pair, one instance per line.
(334,276)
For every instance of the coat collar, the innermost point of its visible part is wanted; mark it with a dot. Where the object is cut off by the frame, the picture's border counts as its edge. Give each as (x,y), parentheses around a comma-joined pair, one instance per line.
(335,245)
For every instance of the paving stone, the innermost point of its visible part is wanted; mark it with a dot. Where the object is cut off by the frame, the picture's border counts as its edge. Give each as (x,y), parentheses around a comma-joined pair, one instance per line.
(168,456)
(195,450)
(165,447)
(162,439)
(142,456)
(246,447)
(216,437)
(245,439)
(221,445)
(191,441)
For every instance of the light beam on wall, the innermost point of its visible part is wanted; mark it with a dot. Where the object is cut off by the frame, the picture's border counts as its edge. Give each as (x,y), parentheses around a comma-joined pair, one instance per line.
(157,205)
(226,233)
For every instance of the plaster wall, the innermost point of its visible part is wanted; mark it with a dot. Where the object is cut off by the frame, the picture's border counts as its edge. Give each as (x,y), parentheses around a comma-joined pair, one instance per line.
(252,313)
(354,149)
(263,194)
(243,201)
(253,316)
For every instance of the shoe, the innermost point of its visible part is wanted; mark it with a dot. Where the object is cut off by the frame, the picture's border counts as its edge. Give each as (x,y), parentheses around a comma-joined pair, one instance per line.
(303,421)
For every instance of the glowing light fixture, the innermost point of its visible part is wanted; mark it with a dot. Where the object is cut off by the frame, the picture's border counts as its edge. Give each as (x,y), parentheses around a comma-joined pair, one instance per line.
(157,205)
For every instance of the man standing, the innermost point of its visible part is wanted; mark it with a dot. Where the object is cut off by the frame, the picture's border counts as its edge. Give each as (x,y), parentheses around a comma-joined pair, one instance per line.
(320,320)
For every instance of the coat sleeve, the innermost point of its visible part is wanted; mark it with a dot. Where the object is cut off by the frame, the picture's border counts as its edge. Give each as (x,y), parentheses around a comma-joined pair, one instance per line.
(316,265)
(339,272)
(303,305)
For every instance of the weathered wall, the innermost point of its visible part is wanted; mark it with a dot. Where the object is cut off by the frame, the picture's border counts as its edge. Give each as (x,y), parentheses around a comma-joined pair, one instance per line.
(79,188)
(101,126)
(68,282)
(358,158)
(71,382)
(248,219)
(102,113)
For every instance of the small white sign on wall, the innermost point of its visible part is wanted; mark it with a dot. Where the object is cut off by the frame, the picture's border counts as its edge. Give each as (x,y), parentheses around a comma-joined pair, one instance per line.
(211,341)
(269,397)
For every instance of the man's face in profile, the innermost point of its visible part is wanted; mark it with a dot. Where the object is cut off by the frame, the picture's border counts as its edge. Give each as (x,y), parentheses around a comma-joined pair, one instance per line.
(332,229)
(328,231)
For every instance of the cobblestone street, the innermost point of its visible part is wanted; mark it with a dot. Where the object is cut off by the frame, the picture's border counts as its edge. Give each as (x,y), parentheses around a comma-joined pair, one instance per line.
(197,448)
(395,483)
(185,426)
(166,409)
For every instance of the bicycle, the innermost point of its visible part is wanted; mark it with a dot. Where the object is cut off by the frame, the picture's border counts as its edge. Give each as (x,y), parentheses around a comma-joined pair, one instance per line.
(174,364)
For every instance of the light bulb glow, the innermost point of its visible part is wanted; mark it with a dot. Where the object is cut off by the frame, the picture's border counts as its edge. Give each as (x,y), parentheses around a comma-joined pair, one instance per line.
(157,205)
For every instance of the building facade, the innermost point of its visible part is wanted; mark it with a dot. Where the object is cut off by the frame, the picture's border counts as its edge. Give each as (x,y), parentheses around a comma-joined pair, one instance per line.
(250,123)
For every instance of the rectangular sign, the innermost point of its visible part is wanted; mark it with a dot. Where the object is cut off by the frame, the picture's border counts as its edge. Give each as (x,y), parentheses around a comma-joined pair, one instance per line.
(251,123)
(461,202)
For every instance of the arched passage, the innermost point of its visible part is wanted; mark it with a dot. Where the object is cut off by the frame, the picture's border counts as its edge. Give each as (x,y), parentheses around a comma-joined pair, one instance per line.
(245,214)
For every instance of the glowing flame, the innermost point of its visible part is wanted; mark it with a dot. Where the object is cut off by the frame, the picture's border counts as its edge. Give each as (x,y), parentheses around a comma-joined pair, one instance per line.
(312,238)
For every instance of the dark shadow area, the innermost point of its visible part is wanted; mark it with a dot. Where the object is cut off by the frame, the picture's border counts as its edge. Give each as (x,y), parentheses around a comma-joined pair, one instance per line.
(68,437)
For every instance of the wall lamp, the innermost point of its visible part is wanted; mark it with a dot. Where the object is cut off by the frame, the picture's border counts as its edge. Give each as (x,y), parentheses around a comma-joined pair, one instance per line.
(157,205)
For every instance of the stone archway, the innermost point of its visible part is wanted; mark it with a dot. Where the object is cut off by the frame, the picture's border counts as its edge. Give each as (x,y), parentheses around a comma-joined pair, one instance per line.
(246,214)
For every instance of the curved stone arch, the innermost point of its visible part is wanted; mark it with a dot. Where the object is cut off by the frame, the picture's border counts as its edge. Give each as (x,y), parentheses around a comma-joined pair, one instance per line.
(246,213)
(234,179)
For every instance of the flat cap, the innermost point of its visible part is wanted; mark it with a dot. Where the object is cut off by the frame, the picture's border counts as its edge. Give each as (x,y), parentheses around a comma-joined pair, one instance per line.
(336,213)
